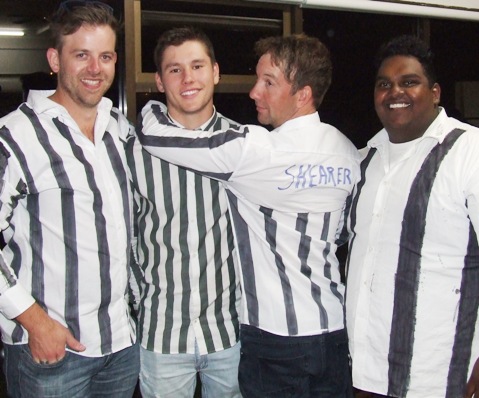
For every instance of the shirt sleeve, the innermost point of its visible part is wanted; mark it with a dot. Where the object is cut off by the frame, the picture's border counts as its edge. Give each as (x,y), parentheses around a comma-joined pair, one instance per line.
(14,299)
(215,154)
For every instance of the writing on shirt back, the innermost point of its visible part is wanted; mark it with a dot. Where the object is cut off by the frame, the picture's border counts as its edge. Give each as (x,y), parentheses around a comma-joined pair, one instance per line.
(312,175)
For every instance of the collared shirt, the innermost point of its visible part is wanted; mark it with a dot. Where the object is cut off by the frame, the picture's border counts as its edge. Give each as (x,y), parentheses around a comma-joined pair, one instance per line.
(188,287)
(413,275)
(286,190)
(66,218)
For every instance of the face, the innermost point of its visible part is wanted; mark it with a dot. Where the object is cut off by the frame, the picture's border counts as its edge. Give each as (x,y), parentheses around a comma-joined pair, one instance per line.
(85,66)
(403,98)
(188,78)
(272,94)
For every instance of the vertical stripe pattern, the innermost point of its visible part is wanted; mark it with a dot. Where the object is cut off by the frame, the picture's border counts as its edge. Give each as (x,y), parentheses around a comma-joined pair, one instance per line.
(409,267)
(287,189)
(186,274)
(466,320)
(68,203)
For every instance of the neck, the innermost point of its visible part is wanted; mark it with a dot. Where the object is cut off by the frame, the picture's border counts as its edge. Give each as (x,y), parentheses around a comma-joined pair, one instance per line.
(84,116)
(192,121)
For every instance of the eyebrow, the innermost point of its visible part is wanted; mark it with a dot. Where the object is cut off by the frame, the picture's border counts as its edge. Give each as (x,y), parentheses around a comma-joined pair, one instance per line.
(408,76)
(194,61)
(270,76)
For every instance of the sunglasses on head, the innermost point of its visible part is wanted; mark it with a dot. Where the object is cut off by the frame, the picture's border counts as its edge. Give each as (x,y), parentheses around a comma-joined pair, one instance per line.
(70,5)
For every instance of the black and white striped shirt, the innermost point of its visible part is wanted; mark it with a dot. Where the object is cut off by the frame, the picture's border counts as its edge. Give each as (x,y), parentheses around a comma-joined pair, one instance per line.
(286,190)
(413,278)
(66,217)
(187,278)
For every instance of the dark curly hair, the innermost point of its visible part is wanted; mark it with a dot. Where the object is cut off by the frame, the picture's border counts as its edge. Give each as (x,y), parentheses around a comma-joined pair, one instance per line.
(409,46)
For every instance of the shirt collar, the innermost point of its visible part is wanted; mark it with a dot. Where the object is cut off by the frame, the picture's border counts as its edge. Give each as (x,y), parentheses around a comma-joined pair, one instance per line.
(39,100)
(299,122)
(41,103)
(204,126)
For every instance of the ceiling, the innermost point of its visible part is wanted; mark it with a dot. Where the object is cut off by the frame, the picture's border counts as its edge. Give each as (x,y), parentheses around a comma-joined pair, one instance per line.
(30,15)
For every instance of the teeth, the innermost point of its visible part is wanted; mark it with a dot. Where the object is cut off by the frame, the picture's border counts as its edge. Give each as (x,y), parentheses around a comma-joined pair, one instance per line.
(191,92)
(91,82)
(395,106)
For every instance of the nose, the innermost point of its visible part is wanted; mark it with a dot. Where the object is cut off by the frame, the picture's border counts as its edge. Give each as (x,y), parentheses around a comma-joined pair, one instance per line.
(396,89)
(94,66)
(253,94)
(187,76)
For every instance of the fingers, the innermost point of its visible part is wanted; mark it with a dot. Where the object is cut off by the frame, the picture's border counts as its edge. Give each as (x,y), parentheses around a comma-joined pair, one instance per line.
(74,344)
(48,361)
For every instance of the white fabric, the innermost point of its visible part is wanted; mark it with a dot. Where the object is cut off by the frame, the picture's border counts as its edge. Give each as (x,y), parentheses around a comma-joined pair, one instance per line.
(187,273)
(55,180)
(287,189)
(373,259)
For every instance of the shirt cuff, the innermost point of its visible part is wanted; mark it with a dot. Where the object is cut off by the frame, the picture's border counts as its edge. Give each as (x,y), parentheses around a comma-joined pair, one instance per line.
(15,301)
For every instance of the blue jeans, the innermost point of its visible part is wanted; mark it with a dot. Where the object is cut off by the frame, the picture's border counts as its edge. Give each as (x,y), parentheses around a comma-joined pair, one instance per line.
(174,375)
(75,376)
(300,367)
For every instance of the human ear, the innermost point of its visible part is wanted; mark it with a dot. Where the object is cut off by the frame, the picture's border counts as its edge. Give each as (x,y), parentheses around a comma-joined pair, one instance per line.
(305,95)
(436,91)
(159,83)
(53,59)
(216,73)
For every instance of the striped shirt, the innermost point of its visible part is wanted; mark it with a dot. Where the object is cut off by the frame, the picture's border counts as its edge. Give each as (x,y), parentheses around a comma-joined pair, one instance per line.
(413,274)
(286,190)
(187,282)
(66,218)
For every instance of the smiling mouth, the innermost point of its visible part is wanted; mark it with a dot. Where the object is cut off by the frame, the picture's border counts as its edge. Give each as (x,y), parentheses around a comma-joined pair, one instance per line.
(92,83)
(398,106)
(189,92)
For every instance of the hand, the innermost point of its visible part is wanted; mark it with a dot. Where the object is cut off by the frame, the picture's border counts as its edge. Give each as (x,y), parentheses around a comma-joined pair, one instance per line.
(472,387)
(47,338)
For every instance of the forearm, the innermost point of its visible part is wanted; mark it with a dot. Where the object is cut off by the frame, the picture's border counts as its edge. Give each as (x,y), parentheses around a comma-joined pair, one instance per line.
(214,154)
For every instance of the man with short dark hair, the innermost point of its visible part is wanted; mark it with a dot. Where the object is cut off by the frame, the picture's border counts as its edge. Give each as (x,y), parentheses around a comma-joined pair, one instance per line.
(66,218)
(188,292)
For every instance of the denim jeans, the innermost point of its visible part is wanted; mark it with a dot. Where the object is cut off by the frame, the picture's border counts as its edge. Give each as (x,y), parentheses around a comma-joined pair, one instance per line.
(174,375)
(75,376)
(300,367)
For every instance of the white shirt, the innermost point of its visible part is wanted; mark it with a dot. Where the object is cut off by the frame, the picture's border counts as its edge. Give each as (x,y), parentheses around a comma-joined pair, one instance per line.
(66,215)
(188,283)
(286,190)
(406,293)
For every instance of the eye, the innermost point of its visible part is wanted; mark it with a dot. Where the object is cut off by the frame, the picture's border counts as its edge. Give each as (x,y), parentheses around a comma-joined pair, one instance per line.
(383,84)
(107,57)
(410,83)
(197,66)
(174,70)
(81,55)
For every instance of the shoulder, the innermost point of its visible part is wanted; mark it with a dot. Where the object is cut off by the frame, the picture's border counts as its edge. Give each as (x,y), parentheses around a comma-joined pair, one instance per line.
(17,122)
(124,127)
(338,140)
(227,122)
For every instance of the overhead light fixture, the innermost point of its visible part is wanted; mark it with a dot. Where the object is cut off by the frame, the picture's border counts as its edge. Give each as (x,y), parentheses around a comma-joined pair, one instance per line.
(11,32)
